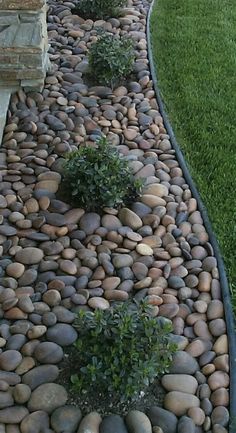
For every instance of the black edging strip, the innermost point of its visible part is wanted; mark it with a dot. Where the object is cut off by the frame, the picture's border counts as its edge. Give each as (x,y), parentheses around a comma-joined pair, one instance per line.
(229,317)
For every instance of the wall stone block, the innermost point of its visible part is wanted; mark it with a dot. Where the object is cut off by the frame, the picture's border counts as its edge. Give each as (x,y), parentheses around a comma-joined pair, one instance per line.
(23,42)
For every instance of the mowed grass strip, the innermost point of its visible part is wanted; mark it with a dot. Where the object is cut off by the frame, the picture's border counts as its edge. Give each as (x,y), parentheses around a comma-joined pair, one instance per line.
(194,47)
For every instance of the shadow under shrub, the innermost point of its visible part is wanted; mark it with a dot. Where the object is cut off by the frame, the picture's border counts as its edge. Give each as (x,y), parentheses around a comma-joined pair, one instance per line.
(97,177)
(111,59)
(120,350)
(99,9)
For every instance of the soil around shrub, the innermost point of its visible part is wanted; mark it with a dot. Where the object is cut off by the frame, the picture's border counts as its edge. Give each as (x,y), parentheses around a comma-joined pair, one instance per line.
(104,403)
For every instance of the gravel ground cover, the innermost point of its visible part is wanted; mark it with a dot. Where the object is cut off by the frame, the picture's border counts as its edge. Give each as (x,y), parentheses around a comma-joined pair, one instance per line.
(56,259)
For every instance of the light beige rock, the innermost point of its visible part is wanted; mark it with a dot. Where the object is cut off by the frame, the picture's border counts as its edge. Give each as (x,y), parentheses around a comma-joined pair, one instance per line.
(90,423)
(97,302)
(156,189)
(180,382)
(221,345)
(218,379)
(144,250)
(197,415)
(130,218)
(180,402)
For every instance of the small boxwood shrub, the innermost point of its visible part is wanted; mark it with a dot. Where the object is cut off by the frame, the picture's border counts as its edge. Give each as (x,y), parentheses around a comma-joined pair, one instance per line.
(98,177)
(120,350)
(111,59)
(99,9)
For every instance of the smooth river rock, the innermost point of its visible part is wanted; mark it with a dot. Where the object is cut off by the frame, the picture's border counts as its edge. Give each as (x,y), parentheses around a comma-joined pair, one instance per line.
(138,422)
(162,418)
(179,402)
(47,397)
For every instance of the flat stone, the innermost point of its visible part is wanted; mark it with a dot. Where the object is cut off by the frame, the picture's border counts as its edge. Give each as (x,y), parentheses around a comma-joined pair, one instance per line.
(66,418)
(16,413)
(40,375)
(138,422)
(7,230)
(163,418)
(29,256)
(122,260)
(47,397)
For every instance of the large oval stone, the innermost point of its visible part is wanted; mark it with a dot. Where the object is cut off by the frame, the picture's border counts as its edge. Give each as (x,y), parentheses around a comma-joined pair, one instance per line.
(47,397)
(62,334)
(39,375)
(179,402)
(48,352)
(180,382)
(130,218)
(13,414)
(29,256)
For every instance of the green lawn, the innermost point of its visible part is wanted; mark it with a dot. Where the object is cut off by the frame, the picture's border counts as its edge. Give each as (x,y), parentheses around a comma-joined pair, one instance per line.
(194,46)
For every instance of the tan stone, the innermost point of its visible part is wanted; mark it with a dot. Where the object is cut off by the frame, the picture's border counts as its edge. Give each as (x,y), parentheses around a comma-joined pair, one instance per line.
(219,379)
(180,382)
(144,250)
(220,397)
(221,345)
(97,302)
(157,189)
(180,402)
(152,200)
(197,415)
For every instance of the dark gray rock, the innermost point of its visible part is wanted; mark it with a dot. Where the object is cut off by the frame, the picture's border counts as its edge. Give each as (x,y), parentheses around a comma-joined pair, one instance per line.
(113,423)
(66,418)
(163,418)
(39,375)
(62,334)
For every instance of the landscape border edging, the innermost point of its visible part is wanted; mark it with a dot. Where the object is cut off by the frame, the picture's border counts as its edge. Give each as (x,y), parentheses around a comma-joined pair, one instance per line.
(226,297)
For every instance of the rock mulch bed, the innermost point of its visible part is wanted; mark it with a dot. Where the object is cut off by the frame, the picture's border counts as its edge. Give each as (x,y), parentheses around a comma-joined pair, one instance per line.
(56,260)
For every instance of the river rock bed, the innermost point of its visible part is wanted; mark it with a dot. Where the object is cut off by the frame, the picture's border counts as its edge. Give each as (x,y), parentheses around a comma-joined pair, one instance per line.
(56,259)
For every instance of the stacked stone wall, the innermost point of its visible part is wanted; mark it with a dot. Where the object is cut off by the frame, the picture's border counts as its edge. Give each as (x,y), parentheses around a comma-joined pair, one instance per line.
(23,43)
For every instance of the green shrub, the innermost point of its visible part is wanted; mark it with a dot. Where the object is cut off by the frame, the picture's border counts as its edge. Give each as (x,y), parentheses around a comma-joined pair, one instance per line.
(111,59)
(98,177)
(121,350)
(99,9)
